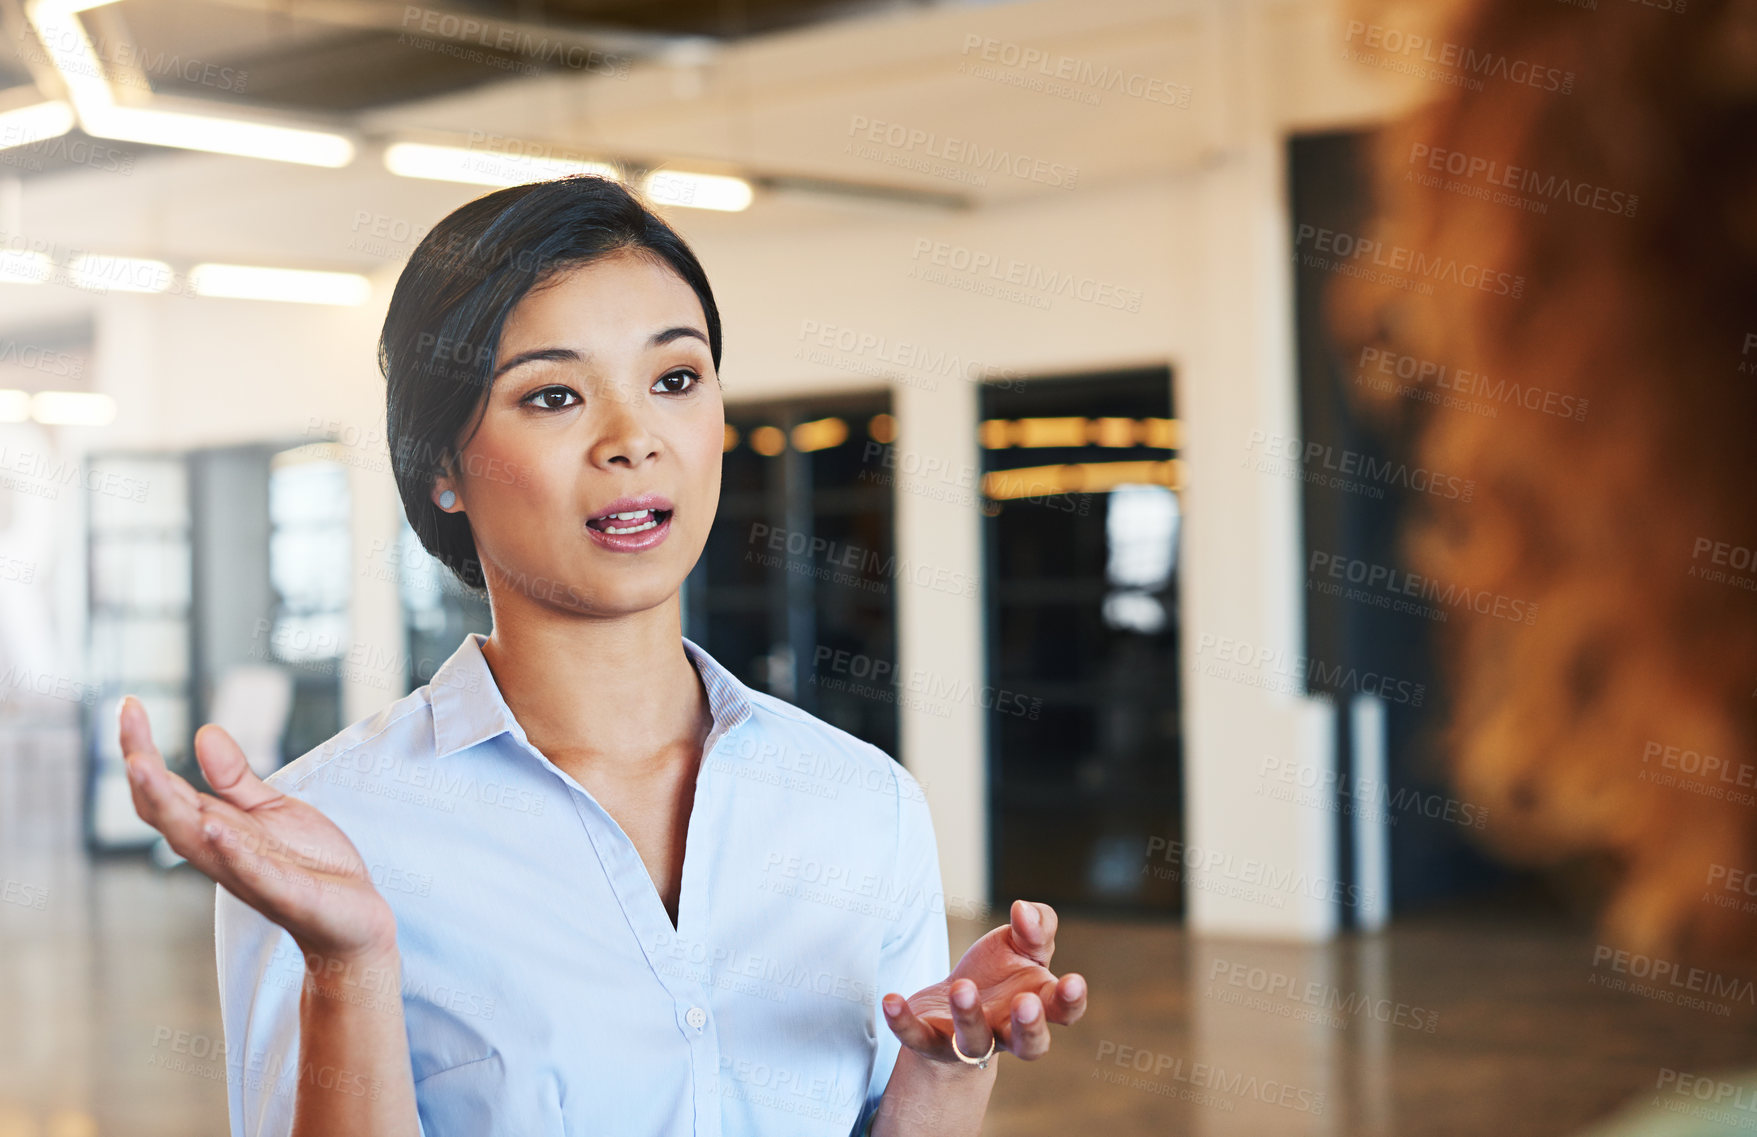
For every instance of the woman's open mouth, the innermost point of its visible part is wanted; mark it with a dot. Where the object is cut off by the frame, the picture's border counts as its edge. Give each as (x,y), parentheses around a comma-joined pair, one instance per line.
(631,531)
(632,522)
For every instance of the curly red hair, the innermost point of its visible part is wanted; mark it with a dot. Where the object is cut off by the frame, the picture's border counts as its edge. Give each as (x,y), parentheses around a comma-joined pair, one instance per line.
(1648,316)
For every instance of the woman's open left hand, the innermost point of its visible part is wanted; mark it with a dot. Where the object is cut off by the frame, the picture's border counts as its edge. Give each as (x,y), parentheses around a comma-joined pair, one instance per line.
(1001,991)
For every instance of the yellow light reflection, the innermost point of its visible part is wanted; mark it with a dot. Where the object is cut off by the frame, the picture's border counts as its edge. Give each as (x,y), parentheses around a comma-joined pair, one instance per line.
(768,441)
(1080,477)
(999,433)
(819,434)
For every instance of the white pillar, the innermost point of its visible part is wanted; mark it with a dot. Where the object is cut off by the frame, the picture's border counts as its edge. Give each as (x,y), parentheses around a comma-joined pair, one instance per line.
(1370,821)
(1252,865)
(939,630)
(373,674)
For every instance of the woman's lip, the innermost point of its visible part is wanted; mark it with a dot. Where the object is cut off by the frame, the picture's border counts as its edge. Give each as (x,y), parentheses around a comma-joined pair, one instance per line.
(632,542)
(654,501)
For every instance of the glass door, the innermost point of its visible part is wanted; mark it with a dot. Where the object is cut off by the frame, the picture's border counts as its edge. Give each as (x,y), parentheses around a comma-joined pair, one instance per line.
(1080,559)
(141,630)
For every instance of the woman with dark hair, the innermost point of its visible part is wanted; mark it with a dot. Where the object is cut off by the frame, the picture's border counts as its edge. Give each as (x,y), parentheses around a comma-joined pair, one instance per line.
(584,880)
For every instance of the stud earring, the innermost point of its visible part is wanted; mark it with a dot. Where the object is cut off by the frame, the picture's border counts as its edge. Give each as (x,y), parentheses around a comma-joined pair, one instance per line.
(447,499)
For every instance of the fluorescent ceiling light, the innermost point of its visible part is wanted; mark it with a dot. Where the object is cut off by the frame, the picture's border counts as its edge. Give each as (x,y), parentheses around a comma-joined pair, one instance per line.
(15,406)
(25,268)
(70,50)
(295,286)
(482,167)
(698,191)
(72,408)
(219,135)
(35,123)
(120,274)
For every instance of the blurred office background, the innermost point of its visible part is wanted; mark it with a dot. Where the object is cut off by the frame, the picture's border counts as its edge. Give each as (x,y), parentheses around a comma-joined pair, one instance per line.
(1024,338)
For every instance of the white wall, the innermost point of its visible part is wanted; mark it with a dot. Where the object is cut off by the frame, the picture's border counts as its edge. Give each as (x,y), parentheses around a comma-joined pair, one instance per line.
(1185,204)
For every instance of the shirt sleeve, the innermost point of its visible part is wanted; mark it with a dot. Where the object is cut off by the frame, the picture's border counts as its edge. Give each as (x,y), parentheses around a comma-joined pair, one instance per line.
(916,951)
(261,975)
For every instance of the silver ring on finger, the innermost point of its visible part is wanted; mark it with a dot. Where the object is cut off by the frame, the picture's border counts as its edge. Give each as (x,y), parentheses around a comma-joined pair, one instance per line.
(980,1063)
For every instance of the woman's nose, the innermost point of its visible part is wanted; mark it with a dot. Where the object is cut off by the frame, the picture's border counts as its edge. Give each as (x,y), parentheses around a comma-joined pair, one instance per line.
(622,435)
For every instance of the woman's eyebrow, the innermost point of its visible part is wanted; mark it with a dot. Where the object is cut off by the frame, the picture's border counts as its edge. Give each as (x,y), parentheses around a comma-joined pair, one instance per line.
(660,339)
(569,355)
(547,354)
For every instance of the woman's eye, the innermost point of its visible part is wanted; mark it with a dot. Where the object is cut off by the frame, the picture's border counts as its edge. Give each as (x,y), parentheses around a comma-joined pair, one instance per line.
(677,376)
(552,398)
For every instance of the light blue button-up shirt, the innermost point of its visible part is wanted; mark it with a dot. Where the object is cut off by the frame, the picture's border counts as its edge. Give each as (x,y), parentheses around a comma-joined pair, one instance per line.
(544,987)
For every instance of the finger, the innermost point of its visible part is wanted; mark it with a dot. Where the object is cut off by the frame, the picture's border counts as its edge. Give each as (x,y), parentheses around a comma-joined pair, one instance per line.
(243,858)
(1033,927)
(170,805)
(228,771)
(910,1030)
(1064,1000)
(159,784)
(969,1020)
(139,753)
(1030,1033)
(134,732)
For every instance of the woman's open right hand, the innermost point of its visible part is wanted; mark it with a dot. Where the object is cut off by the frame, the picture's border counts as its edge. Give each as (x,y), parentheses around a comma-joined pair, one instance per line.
(276,853)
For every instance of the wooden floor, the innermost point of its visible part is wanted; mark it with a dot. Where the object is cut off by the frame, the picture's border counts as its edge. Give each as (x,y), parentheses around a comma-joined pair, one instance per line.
(1445,1025)
(1462,1024)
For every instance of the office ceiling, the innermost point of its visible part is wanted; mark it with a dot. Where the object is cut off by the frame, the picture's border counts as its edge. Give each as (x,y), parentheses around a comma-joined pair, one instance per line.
(327,59)
(766,88)
(339,56)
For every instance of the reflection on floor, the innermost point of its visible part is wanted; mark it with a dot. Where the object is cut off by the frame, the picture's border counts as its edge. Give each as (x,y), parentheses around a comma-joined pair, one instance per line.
(1444,1026)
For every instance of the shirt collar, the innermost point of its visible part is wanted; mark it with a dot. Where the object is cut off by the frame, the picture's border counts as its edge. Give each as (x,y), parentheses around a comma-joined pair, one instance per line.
(468,707)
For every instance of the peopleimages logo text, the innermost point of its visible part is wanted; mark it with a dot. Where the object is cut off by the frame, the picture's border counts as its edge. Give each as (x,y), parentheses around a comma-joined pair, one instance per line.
(1278,669)
(1249,870)
(1356,250)
(1415,47)
(1357,464)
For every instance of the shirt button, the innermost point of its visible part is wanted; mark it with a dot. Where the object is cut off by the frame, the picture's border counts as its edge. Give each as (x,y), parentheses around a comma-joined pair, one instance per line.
(696,1017)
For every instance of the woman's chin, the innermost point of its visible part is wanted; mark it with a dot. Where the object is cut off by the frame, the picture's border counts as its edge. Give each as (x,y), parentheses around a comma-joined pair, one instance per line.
(613,598)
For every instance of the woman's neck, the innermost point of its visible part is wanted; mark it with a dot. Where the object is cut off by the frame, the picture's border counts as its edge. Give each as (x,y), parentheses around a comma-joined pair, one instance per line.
(618,696)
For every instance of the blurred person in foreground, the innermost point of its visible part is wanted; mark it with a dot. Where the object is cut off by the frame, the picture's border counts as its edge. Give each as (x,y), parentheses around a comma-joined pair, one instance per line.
(1631,528)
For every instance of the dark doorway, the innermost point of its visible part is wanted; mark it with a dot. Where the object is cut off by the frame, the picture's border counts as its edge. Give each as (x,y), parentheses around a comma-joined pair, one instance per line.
(1080,559)
(1432,860)
(792,592)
